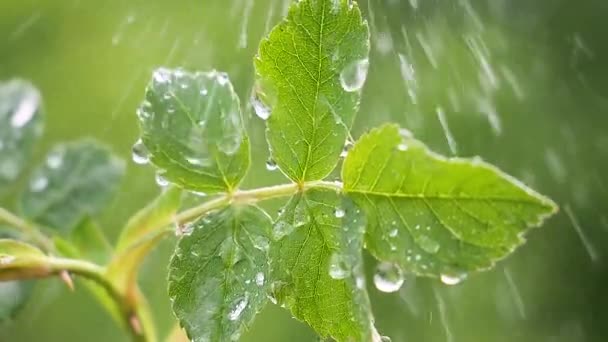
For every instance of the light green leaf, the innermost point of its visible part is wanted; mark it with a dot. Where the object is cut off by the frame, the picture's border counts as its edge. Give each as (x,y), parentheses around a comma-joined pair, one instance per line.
(76,180)
(20,260)
(218,275)
(141,234)
(192,130)
(21,124)
(310,73)
(436,216)
(317,267)
(91,242)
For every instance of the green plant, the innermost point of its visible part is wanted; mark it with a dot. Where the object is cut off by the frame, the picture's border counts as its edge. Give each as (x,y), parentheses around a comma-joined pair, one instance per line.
(413,210)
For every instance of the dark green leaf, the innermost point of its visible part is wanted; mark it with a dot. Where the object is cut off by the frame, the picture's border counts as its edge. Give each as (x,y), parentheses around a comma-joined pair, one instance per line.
(13,297)
(192,130)
(317,267)
(76,180)
(310,73)
(21,124)
(436,216)
(218,275)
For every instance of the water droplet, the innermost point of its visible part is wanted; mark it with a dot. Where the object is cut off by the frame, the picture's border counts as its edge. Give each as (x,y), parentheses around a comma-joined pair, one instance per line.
(260,243)
(393,232)
(184,229)
(388,277)
(259,279)
(453,279)
(161,76)
(360,282)
(347,146)
(54,160)
(271,165)
(161,180)
(428,245)
(353,76)
(260,109)
(222,78)
(339,267)
(281,229)
(199,193)
(26,110)
(402,147)
(339,212)
(140,153)
(238,308)
(39,184)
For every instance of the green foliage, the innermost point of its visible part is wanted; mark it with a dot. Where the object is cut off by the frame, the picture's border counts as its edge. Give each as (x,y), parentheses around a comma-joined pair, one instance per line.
(75,180)
(310,73)
(415,211)
(435,216)
(217,277)
(192,130)
(21,124)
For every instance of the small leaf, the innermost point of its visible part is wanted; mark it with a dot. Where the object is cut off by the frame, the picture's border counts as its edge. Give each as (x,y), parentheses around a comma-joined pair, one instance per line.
(90,241)
(317,266)
(20,260)
(310,73)
(192,130)
(436,216)
(21,124)
(76,180)
(218,275)
(141,234)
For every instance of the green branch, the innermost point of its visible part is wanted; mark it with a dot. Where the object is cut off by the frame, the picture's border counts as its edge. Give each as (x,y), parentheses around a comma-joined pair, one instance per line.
(30,231)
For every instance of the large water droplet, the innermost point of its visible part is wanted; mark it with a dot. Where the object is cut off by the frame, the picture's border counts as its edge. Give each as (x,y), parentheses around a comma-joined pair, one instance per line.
(140,153)
(260,109)
(353,76)
(453,279)
(271,165)
(388,277)
(239,306)
(339,212)
(347,146)
(26,110)
(339,267)
(161,180)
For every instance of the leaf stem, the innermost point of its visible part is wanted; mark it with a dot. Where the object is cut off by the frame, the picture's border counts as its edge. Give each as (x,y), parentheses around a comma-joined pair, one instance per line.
(18,224)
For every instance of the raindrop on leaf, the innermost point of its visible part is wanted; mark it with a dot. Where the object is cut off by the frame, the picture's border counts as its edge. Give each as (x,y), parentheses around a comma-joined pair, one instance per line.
(388,277)
(453,279)
(140,153)
(238,308)
(338,266)
(353,76)
(271,165)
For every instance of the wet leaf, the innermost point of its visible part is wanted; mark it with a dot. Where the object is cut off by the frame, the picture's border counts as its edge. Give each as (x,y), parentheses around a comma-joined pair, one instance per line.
(436,216)
(310,71)
(217,276)
(141,234)
(192,130)
(75,181)
(21,124)
(317,266)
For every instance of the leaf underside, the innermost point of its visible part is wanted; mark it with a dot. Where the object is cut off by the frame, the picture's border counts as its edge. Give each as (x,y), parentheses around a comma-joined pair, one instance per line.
(432,215)
(218,276)
(298,77)
(317,266)
(75,181)
(192,127)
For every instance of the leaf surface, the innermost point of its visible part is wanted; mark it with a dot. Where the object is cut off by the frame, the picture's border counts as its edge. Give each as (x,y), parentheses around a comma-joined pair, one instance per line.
(436,216)
(75,181)
(21,260)
(218,274)
(193,131)
(317,267)
(310,71)
(21,124)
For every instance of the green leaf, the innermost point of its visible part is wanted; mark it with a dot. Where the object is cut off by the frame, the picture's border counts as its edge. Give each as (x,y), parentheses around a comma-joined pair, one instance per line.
(76,180)
(218,275)
(21,124)
(436,216)
(141,234)
(21,260)
(13,297)
(310,73)
(90,241)
(192,130)
(317,267)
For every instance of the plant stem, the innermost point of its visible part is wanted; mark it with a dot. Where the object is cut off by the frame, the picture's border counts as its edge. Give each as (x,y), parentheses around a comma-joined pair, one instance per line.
(32,233)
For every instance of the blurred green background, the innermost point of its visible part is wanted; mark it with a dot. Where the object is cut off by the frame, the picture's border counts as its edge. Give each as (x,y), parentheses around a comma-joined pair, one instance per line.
(524,84)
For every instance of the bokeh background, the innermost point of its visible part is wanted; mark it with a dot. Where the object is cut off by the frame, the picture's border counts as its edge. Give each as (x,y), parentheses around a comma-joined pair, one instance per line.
(522,83)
